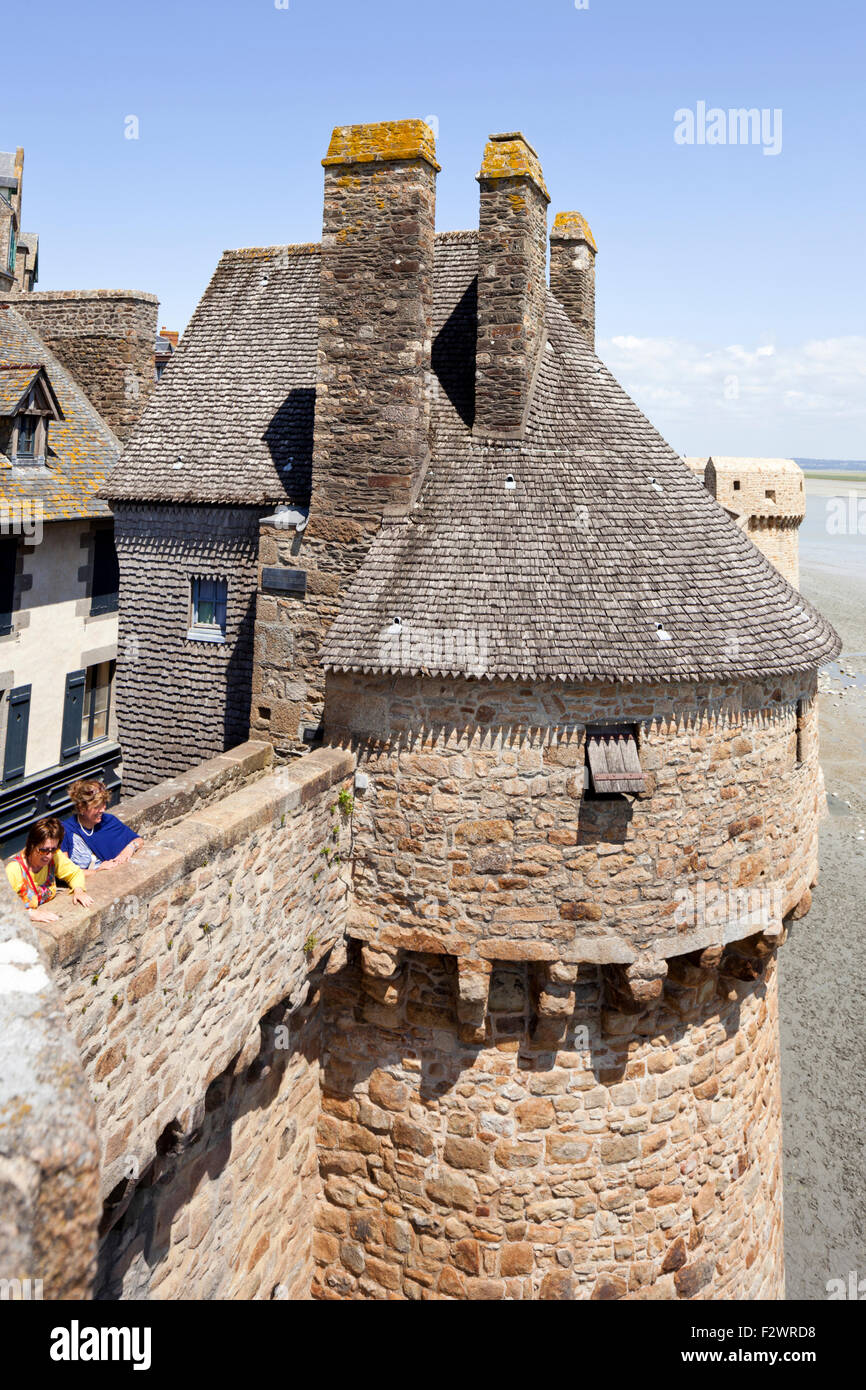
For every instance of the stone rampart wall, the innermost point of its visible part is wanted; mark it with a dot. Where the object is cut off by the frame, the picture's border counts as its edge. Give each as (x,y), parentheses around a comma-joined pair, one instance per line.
(190,990)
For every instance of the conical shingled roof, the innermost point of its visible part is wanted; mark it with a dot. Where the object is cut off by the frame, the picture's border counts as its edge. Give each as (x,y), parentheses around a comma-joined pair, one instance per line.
(606,559)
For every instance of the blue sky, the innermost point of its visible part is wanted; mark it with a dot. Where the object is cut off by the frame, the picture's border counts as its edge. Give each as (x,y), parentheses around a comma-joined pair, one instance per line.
(730,291)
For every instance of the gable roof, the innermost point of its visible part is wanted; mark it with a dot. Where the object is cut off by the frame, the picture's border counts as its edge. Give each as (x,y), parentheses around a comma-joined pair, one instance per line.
(16,381)
(81,447)
(232,421)
(606,560)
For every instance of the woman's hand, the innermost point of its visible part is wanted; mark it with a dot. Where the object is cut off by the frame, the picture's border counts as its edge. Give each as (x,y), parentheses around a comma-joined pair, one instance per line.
(83,899)
(41,914)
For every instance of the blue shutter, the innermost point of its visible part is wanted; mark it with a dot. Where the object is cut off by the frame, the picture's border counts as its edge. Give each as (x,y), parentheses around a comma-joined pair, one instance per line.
(221,598)
(73,703)
(8,559)
(16,733)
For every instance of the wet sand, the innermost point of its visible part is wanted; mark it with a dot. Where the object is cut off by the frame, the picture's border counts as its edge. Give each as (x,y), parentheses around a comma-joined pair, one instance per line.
(823,964)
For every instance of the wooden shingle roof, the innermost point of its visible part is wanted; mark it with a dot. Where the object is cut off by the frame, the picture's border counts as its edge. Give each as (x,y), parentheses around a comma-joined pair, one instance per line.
(585,550)
(232,421)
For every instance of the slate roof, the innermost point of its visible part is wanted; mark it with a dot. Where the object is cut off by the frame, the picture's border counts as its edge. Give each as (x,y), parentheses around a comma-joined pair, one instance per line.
(81,447)
(15,382)
(606,559)
(232,420)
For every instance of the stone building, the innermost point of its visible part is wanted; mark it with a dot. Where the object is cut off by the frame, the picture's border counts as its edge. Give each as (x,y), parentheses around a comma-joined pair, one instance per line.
(64,364)
(767,499)
(478,999)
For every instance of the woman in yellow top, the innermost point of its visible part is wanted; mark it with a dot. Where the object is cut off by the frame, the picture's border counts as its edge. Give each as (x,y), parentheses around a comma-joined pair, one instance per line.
(33,872)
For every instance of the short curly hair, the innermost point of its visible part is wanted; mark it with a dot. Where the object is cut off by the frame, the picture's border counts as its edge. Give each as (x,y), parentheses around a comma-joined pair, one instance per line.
(85,793)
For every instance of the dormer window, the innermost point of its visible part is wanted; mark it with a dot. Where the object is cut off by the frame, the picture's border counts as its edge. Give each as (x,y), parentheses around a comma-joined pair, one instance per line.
(28,404)
(28,427)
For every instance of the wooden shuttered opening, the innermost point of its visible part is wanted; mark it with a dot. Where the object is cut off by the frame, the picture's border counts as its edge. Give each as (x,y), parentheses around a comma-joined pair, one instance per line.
(73,704)
(8,559)
(614,761)
(17,725)
(106,573)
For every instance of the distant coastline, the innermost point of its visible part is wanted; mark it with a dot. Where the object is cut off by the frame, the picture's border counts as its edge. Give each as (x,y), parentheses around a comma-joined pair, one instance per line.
(845,469)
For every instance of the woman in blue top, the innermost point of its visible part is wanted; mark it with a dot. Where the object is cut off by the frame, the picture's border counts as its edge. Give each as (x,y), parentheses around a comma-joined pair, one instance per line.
(92,838)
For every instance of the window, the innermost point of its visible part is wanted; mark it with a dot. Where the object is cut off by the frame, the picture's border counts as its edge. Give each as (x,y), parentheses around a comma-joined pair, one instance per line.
(612,760)
(208,609)
(8,559)
(96,706)
(12,244)
(27,426)
(105,583)
(736,485)
(770,494)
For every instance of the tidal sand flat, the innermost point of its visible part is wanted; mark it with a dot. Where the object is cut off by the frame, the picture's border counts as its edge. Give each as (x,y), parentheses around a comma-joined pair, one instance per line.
(823,964)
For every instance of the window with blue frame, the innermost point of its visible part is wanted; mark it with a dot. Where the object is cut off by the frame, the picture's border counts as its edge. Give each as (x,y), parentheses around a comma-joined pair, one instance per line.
(208,600)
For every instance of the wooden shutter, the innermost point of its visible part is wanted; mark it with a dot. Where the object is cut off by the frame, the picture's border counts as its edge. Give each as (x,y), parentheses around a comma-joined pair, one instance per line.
(17,725)
(8,557)
(73,703)
(106,573)
(614,761)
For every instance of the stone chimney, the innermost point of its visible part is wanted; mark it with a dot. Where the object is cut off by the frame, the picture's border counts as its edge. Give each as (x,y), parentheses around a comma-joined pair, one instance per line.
(512,256)
(572,270)
(375,320)
(372,428)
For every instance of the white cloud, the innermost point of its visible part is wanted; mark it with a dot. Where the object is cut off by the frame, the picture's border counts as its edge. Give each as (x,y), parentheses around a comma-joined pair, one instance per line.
(808,400)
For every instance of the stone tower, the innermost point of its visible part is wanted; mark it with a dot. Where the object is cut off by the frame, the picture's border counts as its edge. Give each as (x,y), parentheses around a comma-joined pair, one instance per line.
(767,499)
(580,708)
(587,805)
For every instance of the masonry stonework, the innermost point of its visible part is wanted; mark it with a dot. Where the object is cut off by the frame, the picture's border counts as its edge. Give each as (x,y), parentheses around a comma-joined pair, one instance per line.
(512,263)
(105,338)
(191,990)
(477,800)
(572,270)
(642,1160)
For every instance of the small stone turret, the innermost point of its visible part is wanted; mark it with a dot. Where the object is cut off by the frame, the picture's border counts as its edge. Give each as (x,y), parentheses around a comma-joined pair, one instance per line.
(767,499)
(512,257)
(572,270)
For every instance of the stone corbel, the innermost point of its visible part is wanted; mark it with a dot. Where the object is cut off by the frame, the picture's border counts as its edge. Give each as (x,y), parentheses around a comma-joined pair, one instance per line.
(383,985)
(632,989)
(748,959)
(473,987)
(555,1000)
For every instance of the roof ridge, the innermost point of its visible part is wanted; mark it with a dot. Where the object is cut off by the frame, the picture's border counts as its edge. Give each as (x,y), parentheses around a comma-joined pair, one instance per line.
(299,248)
